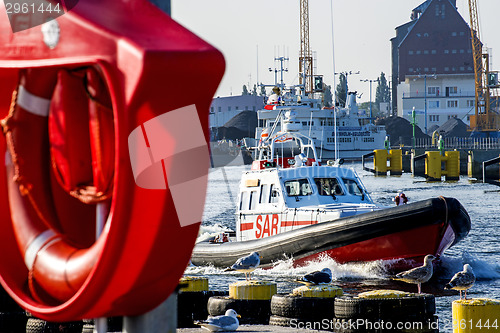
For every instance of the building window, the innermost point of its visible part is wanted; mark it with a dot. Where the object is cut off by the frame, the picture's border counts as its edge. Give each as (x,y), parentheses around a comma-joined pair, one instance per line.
(434,69)
(426,69)
(434,117)
(452,116)
(418,52)
(426,34)
(410,52)
(447,69)
(452,90)
(452,104)
(462,33)
(426,51)
(433,104)
(453,51)
(469,51)
(211,109)
(433,51)
(228,108)
(236,108)
(418,35)
(446,51)
(219,109)
(468,117)
(454,34)
(470,103)
(462,51)
(410,69)
(462,68)
(253,108)
(433,91)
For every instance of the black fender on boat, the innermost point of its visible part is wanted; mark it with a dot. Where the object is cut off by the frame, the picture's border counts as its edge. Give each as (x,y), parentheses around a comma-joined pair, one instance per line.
(305,241)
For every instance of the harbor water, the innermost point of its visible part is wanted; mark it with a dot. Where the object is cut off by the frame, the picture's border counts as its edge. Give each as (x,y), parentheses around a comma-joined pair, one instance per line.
(480,249)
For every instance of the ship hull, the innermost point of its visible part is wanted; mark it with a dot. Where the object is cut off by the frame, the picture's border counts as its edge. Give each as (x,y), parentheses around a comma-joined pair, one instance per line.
(407,232)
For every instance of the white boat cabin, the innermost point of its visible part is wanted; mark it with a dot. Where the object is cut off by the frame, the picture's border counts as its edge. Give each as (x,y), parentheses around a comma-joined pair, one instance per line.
(281,194)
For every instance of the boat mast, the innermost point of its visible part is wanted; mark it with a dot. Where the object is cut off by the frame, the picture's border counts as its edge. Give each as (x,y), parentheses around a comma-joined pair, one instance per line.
(305,58)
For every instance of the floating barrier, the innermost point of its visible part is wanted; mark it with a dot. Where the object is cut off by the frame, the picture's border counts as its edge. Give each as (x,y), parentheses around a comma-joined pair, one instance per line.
(476,315)
(380,159)
(486,179)
(434,163)
(305,304)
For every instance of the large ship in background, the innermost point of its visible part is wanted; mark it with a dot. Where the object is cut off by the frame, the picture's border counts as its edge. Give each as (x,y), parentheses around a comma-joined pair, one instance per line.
(340,132)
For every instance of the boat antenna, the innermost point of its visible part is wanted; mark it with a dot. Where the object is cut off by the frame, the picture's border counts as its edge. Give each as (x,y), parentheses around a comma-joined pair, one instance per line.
(334,87)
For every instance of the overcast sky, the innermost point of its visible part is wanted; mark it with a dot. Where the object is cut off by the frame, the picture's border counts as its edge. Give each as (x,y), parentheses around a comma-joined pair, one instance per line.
(251,33)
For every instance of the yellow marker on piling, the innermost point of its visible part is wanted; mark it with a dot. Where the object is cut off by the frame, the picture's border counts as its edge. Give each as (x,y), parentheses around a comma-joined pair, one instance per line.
(324,291)
(252,289)
(194,284)
(476,315)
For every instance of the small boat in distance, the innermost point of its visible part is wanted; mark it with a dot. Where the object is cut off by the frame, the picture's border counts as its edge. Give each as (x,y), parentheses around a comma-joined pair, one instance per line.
(292,206)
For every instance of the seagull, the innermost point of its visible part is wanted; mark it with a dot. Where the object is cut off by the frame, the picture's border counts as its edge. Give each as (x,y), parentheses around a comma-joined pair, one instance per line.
(318,277)
(418,275)
(246,264)
(462,280)
(227,322)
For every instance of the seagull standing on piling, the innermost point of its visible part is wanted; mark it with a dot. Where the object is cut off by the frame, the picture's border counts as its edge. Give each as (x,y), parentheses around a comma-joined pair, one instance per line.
(318,277)
(418,275)
(462,280)
(246,264)
(228,322)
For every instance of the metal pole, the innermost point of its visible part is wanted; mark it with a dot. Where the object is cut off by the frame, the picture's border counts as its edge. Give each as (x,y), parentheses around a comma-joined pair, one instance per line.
(425,103)
(100,324)
(371,101)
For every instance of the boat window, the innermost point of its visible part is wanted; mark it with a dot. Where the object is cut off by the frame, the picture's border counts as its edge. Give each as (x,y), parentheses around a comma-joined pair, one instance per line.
(243,200)
(352,186)
(298,187)
(273,194)
(263,193)
(253,200)
(328,186)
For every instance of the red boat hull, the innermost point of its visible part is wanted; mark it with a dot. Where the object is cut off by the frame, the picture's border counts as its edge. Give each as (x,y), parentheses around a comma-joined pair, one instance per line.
(409,245)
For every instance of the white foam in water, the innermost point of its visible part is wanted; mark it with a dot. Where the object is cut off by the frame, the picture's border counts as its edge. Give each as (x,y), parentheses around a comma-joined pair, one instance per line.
(350,271)
(482,269)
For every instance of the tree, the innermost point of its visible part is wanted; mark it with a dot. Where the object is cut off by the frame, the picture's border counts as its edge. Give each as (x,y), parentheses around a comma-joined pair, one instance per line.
(262,91)
(327,97)
(254,90)
(245,90)
(342,90)
(382,93)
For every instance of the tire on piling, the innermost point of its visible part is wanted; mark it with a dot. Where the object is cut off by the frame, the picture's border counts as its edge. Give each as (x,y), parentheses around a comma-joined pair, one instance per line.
(192,306)
(252,311)
(36,325)
(310,308)
(421,305)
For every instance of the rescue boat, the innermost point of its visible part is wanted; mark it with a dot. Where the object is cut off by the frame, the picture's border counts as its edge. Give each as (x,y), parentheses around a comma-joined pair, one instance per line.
(293,206)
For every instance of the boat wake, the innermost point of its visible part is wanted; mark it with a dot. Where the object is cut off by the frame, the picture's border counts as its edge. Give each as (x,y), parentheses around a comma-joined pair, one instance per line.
(483,269)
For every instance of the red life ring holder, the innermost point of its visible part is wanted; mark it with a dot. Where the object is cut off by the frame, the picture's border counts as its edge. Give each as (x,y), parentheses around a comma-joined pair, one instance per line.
(155,189)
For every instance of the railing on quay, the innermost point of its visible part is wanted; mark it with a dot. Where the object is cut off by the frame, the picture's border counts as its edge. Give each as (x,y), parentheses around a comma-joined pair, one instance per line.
(460,143)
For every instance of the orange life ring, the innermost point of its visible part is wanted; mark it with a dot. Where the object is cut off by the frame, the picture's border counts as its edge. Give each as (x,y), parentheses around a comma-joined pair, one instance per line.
(148,169)
(57,268)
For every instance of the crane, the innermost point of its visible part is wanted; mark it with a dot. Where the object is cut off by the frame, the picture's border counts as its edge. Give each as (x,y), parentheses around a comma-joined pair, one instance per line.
(305,57)
(486,118)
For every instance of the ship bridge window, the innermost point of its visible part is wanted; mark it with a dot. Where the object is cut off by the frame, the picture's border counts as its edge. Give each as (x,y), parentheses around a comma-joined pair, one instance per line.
(264,190)
(273,194)
(298,187)
(328,186)
(352,186)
